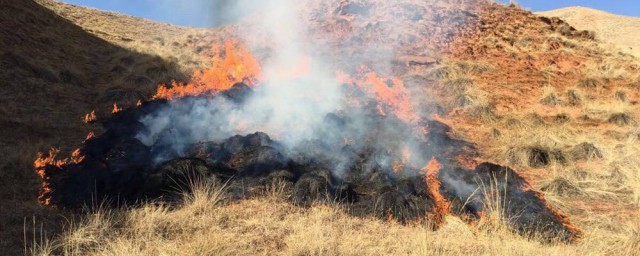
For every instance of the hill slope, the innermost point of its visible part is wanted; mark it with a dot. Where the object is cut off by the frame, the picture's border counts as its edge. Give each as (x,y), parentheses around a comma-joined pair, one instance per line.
(617,29)
(53,72)
(533,93)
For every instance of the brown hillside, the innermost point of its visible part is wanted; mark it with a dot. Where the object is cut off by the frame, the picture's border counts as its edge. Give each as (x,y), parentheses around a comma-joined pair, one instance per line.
(617,29)
(532,92)
(52,73)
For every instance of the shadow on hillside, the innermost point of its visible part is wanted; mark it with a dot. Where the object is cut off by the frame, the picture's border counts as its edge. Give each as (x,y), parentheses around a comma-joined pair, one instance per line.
(52,72)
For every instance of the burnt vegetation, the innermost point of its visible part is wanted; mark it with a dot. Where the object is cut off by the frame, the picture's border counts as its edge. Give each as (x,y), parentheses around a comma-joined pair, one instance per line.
(118,169)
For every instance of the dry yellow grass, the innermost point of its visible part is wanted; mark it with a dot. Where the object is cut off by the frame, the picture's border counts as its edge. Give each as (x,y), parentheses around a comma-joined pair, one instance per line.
(616,29)
(600,191)
(206,224)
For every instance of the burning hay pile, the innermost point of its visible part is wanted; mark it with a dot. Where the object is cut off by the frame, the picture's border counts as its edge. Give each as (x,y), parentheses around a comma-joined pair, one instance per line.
(359,141)
(376,172)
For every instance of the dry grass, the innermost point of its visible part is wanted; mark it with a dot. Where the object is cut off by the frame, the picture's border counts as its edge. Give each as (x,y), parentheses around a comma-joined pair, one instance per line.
(205,223)
(597,185)
(550,96)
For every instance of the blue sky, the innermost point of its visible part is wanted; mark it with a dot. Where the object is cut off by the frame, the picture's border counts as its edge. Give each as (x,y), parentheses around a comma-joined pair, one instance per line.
(202,13)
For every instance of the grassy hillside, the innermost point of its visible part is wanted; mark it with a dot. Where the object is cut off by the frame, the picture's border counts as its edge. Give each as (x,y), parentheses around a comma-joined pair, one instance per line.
(534,93)
(207,223)
(619,30)
(52,72)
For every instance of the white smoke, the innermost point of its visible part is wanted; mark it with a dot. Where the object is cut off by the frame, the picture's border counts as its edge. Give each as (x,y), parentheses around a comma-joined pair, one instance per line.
(291,105)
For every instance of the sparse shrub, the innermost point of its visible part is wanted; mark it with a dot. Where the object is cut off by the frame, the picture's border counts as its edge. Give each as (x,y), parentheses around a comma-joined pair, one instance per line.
(599,76)
(471,96)
(535,119)
(458,85)
(485,111)
(483,108)
(589,82)
(621,95)
(535,156)
(621,119)
(532,147)
(562,187)
(562,118)
(635,83)
(574,97)
(549,96)
(454,70)
(495,133)
(464,100)
(586,151)
(513,123)
(524,43)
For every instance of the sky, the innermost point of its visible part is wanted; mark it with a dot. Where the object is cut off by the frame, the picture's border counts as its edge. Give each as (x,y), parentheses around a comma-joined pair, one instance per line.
(204,13)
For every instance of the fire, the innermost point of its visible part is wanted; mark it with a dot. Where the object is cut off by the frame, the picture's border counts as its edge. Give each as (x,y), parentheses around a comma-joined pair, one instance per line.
(91,135)
(42,161)
(390,91)
(233,65)
(90,117)
(116,109)
(399,165)
(443,207)
(139,103)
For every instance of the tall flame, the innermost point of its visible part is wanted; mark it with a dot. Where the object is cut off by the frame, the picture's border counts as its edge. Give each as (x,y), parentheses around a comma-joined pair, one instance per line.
(233,65)
(443,207)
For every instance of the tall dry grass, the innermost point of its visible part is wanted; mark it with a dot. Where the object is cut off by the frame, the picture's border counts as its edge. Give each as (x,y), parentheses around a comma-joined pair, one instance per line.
(206,223)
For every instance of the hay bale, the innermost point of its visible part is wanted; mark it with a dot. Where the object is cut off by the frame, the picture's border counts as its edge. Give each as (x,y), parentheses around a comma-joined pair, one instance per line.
(399,206)
(176,175)
(309,188)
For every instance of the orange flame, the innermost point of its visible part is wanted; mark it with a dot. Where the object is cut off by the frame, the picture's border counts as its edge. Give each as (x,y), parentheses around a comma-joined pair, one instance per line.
(91,135)
(443,207)
(116,109)
(139,103)
(43,161)
(233,65)
(90,117)
(390,91)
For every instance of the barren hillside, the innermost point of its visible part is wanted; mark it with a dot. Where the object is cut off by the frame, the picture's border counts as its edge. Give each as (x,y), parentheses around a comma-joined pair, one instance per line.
(617,29)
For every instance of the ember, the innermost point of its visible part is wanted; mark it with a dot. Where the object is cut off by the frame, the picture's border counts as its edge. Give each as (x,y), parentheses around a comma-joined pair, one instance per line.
(116,109)
(90,117)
